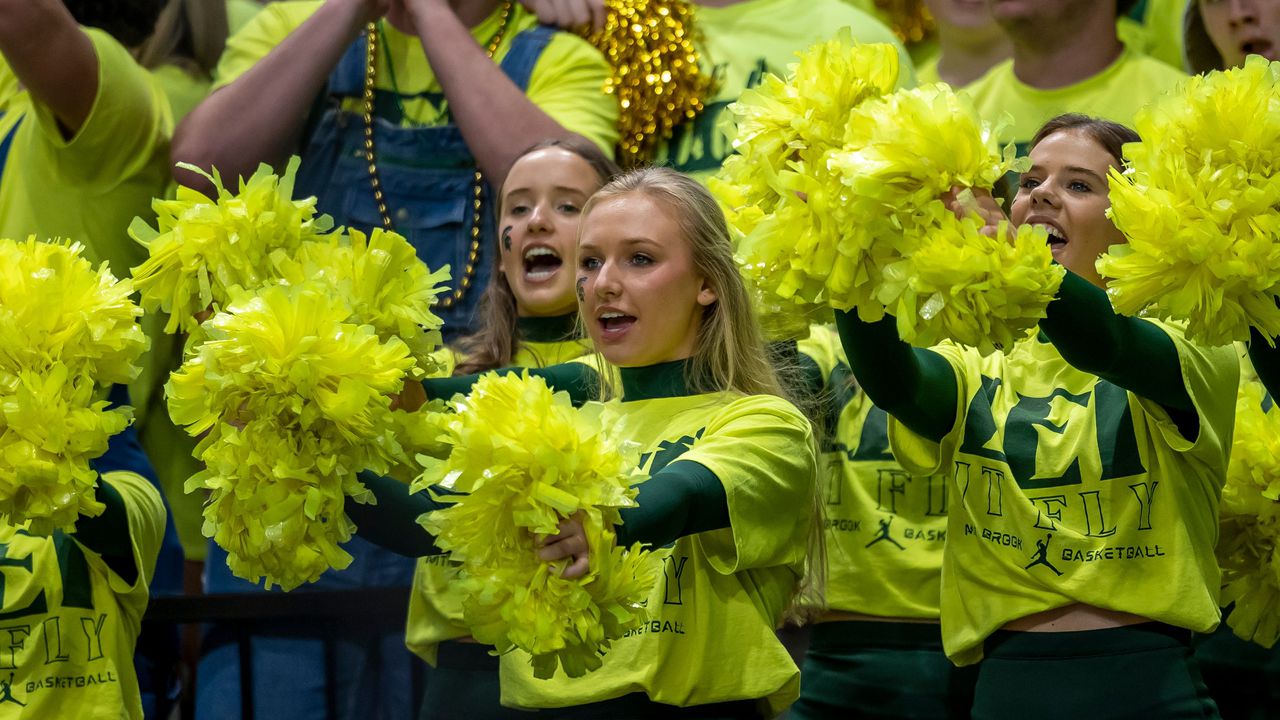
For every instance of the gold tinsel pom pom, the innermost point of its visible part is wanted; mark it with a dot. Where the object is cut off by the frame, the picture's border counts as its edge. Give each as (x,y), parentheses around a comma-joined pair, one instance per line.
(1249,544)
(524,458)
(651,46)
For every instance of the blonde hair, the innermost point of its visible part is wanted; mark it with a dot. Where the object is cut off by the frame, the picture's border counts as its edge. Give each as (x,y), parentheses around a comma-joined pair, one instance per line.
(729,353)
(190,34)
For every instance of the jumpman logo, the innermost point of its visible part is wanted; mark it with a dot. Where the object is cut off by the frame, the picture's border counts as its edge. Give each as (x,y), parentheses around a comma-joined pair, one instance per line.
(883,534)
(6,692)
(1042,555)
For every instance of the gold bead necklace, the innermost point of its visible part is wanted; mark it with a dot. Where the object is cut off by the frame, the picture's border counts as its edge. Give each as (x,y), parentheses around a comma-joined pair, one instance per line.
(477,186)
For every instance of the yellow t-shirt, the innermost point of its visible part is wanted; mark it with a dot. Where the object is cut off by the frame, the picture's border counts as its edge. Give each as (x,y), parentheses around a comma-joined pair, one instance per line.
(88,187)
(1116,94)
(70,623)
(710,636)
(435,612)
(741,43)
(239,13)
(567,82)
(183,90)
(1065,488)
(927,71)
(885,529)
(1159,34)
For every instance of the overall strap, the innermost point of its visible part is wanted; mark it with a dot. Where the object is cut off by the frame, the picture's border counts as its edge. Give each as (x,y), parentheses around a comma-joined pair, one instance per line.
(525,50)
(347,79)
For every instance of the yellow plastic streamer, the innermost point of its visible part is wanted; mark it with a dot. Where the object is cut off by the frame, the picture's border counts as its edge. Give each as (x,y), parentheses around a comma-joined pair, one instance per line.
(66,332)
(525,459)
(836,190)
(1200,206)
(204,247)
(295,400)
(1249,541)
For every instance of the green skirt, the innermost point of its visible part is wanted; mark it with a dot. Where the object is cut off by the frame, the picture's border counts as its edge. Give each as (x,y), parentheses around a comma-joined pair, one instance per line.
(1138,671)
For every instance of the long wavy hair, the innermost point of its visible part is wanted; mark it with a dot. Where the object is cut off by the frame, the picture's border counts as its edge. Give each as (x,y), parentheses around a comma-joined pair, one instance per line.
(729,353)
(497,340)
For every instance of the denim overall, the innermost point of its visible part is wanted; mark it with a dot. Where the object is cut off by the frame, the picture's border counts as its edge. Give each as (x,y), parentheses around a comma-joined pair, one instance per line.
(427,174)
(428,177)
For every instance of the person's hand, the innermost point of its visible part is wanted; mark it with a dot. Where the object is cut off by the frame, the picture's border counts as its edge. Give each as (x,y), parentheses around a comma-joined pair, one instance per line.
(411,398)
(569,14)
(570,542)
(968,201)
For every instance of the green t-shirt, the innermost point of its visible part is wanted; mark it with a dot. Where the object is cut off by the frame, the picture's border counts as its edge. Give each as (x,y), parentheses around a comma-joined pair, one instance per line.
(885,529)
(1065,488)
(741,43)
(435,612)
(1116,94)
(710,634)
(70,623)
(567,82)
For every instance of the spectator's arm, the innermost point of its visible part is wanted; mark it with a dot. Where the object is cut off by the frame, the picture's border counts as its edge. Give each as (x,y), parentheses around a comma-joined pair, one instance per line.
(259,117)
(497,120)
(52,58)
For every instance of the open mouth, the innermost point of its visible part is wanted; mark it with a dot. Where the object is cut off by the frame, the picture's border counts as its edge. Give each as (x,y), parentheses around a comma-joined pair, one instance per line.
(541,263)
(1258,46)
(615,323)
(1056,238)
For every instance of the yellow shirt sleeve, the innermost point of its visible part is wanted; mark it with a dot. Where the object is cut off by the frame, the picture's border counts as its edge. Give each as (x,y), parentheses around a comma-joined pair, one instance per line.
(256,39)
(567,84)
(761,449)
(921,456)
(1205,371)
(128,119)
(146,514)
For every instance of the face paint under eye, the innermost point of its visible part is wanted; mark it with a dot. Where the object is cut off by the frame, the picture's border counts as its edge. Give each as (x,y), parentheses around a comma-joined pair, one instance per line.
(582,294)
(506,238)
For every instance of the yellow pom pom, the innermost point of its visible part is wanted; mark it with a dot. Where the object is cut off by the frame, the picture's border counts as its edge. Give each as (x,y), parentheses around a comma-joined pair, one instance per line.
(1200,206)
(524,459)
(981,291)
(312,393)
(781,199)
(860,225)
(651,46)
(203,248)
(1249,540)
(385,284)
(66,331)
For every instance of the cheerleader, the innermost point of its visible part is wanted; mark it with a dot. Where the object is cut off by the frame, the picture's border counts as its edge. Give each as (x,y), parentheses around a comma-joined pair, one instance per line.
(877,649)
(528,316)
(75,601)
(731,466)
(1085,469)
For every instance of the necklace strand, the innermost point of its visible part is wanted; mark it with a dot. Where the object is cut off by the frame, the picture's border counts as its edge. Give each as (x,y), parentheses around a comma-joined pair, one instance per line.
(372,34)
